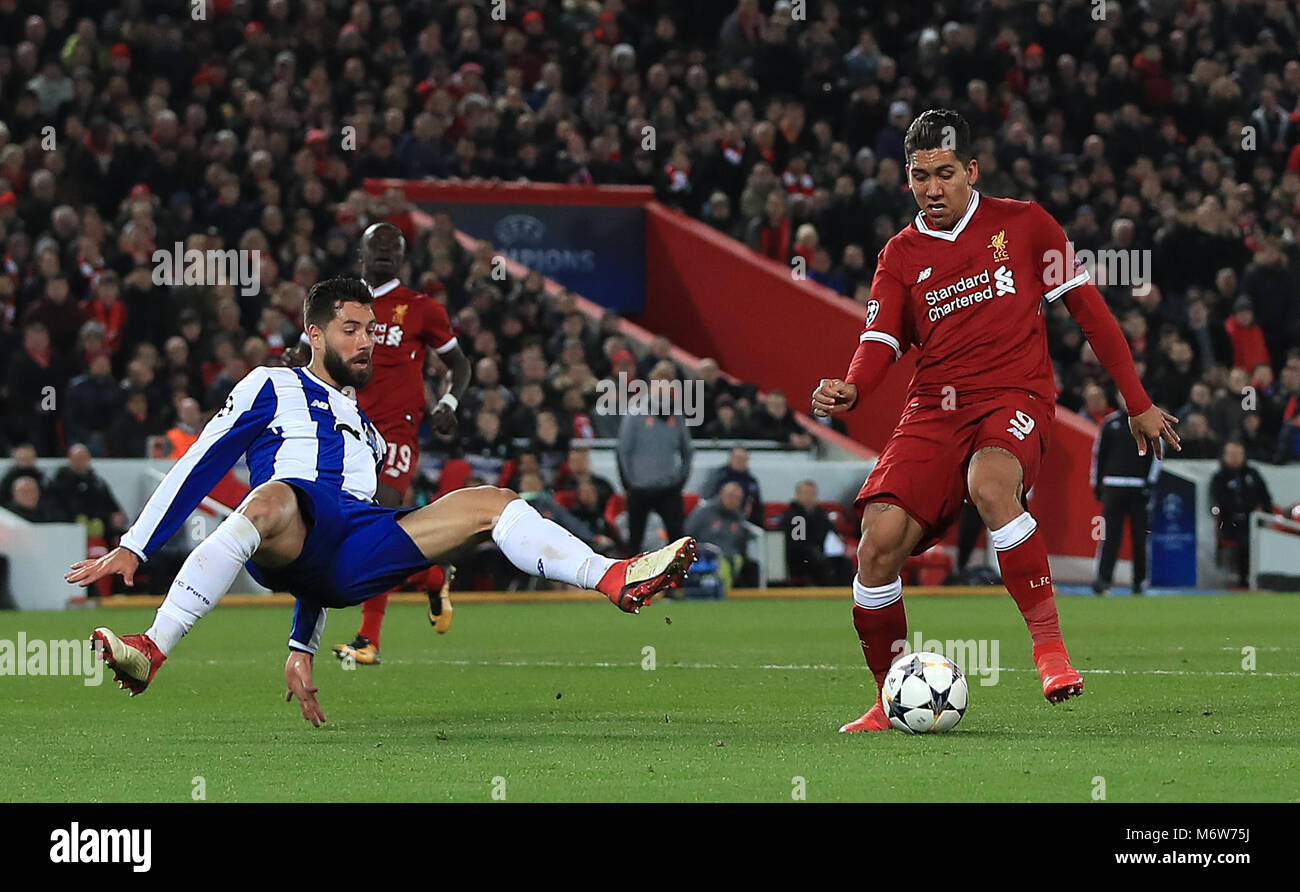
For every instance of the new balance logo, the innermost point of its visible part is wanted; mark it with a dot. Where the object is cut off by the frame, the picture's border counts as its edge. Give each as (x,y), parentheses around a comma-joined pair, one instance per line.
(925,274)
(320,404)
(1021,425)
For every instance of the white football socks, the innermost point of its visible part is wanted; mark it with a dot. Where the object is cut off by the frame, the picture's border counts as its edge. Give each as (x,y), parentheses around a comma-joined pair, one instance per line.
(203,579)
(542,547)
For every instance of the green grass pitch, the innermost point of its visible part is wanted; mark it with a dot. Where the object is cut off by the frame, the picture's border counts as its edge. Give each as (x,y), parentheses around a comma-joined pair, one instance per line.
(540,702)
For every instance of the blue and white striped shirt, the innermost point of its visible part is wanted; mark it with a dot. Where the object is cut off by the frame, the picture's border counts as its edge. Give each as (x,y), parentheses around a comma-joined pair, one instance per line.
(291,424)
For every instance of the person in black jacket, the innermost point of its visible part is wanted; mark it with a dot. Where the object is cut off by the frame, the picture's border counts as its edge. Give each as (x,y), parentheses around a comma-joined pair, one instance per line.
(1121,480)
(1236,490)
(86,498)
(807,527)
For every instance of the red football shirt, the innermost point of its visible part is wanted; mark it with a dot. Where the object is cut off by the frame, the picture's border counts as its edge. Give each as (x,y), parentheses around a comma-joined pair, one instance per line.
(971,298)
(406,322)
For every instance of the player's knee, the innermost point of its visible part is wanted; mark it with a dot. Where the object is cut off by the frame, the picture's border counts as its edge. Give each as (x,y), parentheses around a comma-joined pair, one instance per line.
(991,495)
(880,557)
(270,507)
(489,502)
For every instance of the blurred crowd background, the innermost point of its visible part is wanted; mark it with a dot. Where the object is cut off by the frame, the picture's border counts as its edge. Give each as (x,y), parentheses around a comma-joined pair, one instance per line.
(1172,127)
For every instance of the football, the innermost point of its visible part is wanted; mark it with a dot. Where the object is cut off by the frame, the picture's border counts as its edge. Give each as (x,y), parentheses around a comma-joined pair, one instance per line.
(925,693)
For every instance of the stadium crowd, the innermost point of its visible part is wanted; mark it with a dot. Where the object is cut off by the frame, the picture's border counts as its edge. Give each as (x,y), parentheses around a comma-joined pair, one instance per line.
(1173,127)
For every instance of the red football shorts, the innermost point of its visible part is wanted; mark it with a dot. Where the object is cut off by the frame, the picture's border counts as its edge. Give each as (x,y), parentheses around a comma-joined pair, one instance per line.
(403,440)
(923,467)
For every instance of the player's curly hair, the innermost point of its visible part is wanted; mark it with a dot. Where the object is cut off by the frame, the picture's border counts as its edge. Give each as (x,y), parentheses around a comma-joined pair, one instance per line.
(327,295)
(939,128)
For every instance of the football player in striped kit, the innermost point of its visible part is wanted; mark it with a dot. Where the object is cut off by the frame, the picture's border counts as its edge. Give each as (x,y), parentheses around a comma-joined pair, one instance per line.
(310,525)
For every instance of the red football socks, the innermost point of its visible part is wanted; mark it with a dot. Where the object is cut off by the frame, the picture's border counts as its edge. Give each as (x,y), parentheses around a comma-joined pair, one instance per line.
(879,630)
(372,617)
(1028,578)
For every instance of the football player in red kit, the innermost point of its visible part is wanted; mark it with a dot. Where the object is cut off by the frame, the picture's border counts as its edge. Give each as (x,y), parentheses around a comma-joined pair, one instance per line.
(965,284)
(407,325)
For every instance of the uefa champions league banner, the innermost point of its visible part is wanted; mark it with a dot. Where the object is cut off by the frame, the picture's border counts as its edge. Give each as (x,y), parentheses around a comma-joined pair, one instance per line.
(590,239)
(1173,532)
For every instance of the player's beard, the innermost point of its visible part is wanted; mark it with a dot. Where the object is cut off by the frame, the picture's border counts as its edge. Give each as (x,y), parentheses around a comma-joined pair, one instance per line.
(343,373)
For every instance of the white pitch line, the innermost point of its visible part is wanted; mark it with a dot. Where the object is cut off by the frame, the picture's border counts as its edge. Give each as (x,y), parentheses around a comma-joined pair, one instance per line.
(809,667)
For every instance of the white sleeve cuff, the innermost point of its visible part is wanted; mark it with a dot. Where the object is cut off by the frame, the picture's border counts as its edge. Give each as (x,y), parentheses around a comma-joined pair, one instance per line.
(883,338)
(1061,289)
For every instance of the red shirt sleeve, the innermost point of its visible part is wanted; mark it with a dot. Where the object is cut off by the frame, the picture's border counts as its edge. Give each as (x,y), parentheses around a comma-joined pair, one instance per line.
(1065,277)
(437,331)
(886,334)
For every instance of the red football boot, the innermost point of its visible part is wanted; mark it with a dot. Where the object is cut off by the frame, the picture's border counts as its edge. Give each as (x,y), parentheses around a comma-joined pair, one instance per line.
(874,720)
(134,659)
(1060,680)
(631,583)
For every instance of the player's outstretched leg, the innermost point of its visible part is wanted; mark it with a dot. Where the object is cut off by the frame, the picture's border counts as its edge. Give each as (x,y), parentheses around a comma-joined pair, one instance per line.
(541,547)
(888,537)
(267,525)
(995,485)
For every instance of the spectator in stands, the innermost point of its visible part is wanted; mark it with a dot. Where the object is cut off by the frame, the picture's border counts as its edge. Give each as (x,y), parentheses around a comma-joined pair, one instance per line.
(1208,337)
(25,500)
(487,376)
(1199,399)
(521,422)
(488,440)
(35,375)
(654,459)
(714,386)
(728,425)
(770,234)
(589,508)
(189,424)
(1248,345)
(719,215)
(577,470)
(1236,490)
(86,498)
(130,433)
(549,444)
(1258,445)
(92,404)
(736,470)
(23,465)
(1096,405)
(58,313)
(814,552)
(774,421)
(719,523)
(1197,439)
(660,353)
(1285,411)
(1230,405)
